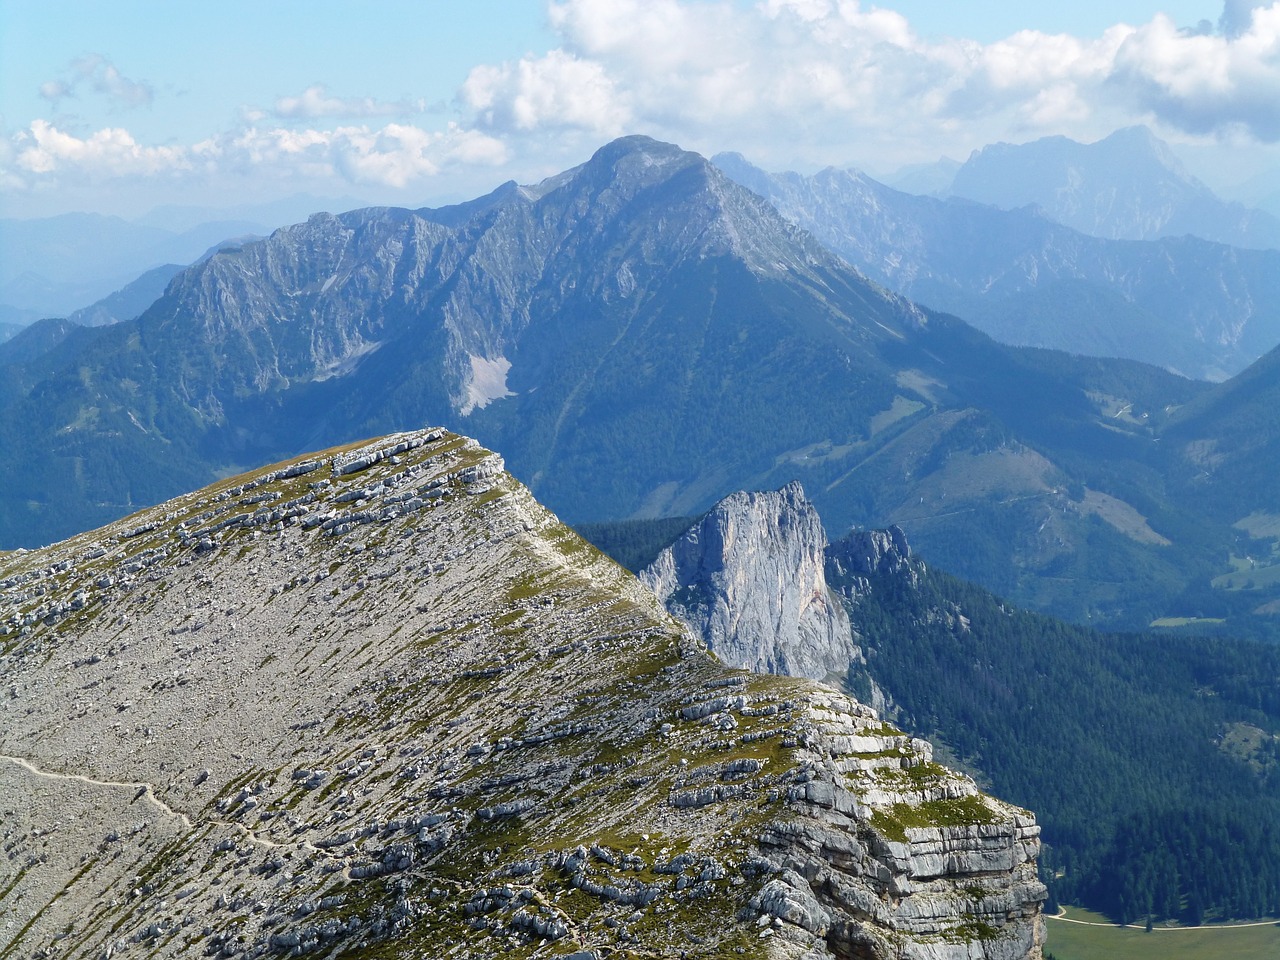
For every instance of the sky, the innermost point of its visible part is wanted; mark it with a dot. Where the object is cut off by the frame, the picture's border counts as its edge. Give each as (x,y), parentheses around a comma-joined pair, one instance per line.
(124,106)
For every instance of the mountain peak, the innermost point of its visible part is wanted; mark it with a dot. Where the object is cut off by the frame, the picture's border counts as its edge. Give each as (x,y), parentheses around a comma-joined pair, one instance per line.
(636,162)
(1127,186)
(639,144)
(1132,144)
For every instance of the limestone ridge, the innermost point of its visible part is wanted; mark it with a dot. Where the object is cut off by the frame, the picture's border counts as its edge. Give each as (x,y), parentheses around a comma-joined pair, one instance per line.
(749,580)
(377,701)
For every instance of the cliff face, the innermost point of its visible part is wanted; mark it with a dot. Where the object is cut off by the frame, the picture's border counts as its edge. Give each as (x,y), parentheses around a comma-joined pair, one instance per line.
(861,554)
(749,579)
(378,700)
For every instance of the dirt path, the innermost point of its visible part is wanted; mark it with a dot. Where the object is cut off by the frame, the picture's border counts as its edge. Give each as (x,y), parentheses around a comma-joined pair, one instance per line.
(144,789)
(1142,926)
(146,792)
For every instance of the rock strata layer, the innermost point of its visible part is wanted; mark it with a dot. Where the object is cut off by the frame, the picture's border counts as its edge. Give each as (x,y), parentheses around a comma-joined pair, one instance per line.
(377,701)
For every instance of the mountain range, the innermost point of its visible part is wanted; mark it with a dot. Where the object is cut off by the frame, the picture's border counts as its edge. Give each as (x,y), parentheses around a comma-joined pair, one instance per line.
(1126,186)
(641,335)
(494,735)
(1185,303)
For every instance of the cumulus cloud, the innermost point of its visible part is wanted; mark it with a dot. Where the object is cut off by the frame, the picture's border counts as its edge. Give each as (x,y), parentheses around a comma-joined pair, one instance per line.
(394,155)
(558,89)
(819,72)
(100,75)
(1204,83)
(315,102)
(111,152)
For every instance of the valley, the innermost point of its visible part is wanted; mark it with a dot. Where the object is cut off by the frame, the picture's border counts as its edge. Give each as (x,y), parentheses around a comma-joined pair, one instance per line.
(1093,938)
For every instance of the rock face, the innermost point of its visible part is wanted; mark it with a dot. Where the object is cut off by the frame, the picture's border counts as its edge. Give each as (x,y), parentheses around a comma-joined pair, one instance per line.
(377,701)
(749,580)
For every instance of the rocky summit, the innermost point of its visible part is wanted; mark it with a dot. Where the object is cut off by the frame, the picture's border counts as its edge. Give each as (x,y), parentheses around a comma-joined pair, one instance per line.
(378,702)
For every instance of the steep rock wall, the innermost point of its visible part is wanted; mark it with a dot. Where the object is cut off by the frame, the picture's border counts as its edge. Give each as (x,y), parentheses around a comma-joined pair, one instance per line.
(749,579)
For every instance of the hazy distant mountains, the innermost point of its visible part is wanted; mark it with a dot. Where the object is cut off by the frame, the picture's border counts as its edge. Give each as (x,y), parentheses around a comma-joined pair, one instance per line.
(1202,308)
(57,265)
(52,266)
(1128,186)
(639,336)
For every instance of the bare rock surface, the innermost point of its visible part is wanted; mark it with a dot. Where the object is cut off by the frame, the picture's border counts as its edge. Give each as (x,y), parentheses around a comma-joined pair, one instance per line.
(749,579)
(377,701)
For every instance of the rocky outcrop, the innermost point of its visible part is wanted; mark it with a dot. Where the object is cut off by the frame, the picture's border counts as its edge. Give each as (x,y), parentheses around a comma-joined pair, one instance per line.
(749,580)
(945,872)
(378,701)
(859,555)
(744,579)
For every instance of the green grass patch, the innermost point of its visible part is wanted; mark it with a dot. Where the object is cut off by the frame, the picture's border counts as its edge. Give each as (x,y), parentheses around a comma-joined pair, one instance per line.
(1077,941)
(1248,575)
(894,821)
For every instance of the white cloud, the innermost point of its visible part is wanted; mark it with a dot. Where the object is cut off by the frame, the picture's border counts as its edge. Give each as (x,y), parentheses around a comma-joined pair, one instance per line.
(829,77)
(315,102)
(102,76)
(111,152)
(558,90)
(394,155)
(1205,83)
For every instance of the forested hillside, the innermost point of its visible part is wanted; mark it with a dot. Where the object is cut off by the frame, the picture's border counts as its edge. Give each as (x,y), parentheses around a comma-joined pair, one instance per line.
(1143,754)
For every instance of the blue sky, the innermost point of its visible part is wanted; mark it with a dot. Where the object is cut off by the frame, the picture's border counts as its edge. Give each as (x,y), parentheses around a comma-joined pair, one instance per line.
(118,107)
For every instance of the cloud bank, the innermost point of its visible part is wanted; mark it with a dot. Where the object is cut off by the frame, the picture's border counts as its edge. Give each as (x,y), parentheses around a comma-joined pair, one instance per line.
(394,155)
(828,81)
(315,102)
(796,65)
